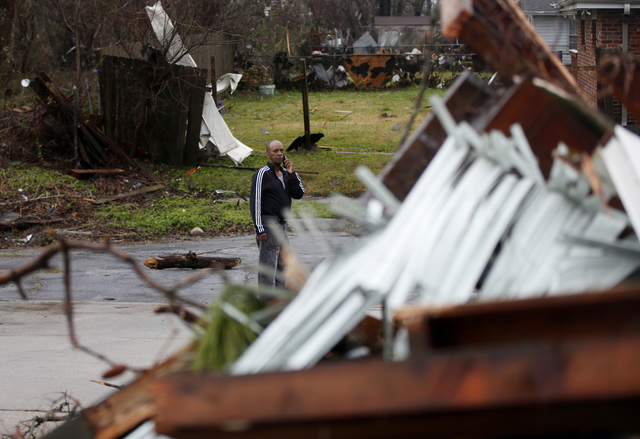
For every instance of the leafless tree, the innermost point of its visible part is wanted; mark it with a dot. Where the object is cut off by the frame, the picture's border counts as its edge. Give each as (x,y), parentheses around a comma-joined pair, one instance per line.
(343,14)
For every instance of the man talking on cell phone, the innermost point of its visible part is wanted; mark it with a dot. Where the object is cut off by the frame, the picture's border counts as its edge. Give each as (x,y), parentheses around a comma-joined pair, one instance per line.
(272,189)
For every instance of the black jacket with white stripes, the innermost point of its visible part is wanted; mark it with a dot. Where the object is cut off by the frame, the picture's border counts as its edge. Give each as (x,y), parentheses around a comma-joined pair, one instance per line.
(268,197)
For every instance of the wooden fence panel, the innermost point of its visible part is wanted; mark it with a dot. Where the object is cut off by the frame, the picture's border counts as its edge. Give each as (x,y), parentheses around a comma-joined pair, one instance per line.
(147,106)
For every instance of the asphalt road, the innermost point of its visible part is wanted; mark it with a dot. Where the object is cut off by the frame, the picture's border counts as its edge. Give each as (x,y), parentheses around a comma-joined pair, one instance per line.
(100,277)
(113,311)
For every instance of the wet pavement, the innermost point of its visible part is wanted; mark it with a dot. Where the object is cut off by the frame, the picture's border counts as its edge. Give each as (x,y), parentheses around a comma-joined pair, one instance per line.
(113,310)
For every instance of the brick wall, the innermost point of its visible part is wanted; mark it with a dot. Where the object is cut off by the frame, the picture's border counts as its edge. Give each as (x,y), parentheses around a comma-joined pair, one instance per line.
(605,32)
(587,57)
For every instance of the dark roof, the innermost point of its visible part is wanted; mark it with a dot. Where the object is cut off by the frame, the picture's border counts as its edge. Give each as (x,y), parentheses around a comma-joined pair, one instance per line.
(402,21)
(537,5)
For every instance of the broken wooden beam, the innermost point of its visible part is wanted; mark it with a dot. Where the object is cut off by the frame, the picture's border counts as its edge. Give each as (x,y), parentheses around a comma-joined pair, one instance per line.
(547,114)
(144,190)
(596,315)
(23,224)
(98,171)
(468,98)
(500,33)
(146,170)
(191,260)
(524,390)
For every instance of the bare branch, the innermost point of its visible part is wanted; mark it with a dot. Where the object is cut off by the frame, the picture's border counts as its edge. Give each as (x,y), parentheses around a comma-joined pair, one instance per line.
(64,246)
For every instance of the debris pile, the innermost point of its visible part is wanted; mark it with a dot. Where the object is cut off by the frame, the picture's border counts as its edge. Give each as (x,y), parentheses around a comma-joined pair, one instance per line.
(254,76)
(501,208)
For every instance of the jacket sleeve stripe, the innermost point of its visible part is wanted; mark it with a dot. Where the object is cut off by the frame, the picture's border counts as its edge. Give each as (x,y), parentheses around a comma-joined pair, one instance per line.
(300,182)
(258,205)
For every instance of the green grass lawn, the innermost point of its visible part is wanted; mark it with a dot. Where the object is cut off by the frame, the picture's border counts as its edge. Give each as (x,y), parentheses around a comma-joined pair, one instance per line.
(367,129)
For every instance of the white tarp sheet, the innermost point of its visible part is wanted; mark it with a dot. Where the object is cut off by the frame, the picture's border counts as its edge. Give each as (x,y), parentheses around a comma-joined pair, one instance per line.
(214,129)
(228,81)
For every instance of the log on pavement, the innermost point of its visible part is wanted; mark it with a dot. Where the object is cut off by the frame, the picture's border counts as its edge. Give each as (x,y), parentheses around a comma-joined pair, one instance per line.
(191,260)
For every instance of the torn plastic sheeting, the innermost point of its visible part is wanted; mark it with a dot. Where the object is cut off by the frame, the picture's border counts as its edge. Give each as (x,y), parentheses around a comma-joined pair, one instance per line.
(219,134)
(365,45)
(213,129)
(388,38)
(228,81)
(168,37)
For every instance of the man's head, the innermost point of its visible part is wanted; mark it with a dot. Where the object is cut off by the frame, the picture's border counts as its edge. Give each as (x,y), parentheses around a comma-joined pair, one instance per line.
(275,152)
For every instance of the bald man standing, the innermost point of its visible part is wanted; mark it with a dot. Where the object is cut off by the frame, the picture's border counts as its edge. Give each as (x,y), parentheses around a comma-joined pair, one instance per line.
(272,189)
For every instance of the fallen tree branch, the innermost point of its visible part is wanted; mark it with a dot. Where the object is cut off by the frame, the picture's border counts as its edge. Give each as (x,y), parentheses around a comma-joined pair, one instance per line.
(25,224)
(191,260)
(65,247)
(144,190)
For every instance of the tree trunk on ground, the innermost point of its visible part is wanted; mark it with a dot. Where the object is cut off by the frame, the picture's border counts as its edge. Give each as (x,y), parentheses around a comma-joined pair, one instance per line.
(191,260)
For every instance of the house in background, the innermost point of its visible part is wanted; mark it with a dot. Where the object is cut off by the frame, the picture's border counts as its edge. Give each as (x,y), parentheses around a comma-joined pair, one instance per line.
(559,31)
(603,26)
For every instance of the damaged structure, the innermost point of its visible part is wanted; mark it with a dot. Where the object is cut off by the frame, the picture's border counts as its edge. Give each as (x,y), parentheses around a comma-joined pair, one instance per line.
(150,104)
(489,227)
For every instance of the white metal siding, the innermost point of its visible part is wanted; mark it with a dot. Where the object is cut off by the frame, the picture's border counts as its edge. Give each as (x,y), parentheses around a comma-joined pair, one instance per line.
(555,31)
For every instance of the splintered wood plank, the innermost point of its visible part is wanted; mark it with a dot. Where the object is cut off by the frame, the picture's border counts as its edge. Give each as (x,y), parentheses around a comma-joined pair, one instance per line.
(144,190)
(601,315)
(98,171)
(499,32)
(467,99)
(556,388)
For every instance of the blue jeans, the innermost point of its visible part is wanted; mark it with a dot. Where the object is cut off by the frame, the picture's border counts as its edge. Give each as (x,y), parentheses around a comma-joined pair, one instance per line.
(270,257)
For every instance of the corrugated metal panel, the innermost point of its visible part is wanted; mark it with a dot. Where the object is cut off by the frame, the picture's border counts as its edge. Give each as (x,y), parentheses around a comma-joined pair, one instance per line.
(555,32)
(481,207)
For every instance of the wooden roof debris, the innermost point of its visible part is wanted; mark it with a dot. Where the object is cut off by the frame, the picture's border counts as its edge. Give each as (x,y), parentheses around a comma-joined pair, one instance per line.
(469,374)
(93,143)
(500,198)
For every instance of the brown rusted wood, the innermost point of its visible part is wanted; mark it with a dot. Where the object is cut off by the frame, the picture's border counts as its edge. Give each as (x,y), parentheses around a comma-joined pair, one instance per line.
(609,418)
(191,260)
(547,117)
(620,74)
(22,224)
(538,381)
(601,315)
(98,171)
(467,99)
(500,33)
(144,190)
